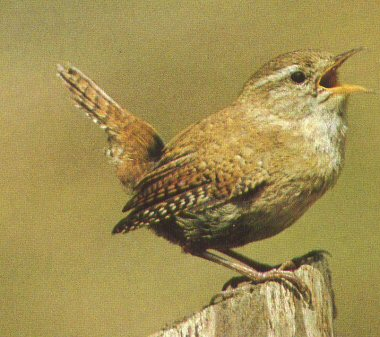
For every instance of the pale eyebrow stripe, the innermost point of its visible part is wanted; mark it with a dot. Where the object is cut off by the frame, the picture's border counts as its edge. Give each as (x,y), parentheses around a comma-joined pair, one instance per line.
(279,75)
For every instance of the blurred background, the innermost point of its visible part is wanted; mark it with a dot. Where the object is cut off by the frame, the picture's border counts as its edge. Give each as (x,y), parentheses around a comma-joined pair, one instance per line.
(172,63)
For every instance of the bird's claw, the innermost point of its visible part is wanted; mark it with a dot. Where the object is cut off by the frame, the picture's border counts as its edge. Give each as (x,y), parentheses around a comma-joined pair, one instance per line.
(287,276)
(287,265)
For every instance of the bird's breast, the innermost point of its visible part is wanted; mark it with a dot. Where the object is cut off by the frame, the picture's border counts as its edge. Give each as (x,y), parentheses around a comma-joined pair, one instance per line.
(325,136)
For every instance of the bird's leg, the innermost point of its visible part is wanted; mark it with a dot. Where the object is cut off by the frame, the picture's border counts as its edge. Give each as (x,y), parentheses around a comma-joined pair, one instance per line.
(262,267)
(257,276)
(287,265)
(246,260)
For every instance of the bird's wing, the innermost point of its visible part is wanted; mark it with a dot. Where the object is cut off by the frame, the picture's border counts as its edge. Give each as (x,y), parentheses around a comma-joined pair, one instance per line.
(186,184)
(134,146)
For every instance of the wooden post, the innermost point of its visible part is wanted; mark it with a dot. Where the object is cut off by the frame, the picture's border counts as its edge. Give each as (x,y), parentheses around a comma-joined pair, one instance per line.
(269,309)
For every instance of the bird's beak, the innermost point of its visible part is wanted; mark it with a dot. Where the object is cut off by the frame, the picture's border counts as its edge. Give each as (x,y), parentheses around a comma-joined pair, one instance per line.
(329,79)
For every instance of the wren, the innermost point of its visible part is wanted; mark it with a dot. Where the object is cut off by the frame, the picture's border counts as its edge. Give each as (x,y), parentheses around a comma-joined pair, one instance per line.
(244,173)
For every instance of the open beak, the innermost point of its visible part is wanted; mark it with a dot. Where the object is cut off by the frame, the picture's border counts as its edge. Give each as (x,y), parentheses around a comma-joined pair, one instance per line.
(329,79)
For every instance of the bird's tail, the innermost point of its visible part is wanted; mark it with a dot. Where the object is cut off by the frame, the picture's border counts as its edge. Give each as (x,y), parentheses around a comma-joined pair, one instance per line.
(134,146)
(101,108)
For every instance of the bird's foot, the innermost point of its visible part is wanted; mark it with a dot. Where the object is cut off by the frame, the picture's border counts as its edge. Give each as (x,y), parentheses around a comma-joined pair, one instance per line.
(287,265)
(227,293)
(287,276)
(276,274)
(281,274)
(260,273)
(235,282)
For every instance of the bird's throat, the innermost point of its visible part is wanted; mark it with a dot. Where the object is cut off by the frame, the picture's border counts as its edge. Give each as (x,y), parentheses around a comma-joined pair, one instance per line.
(325,133)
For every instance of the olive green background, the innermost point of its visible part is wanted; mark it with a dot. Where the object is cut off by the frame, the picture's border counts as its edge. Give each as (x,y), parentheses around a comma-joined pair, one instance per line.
(172,63)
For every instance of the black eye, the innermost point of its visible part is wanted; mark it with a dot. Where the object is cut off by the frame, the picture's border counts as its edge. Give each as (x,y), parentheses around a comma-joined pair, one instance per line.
(298,77)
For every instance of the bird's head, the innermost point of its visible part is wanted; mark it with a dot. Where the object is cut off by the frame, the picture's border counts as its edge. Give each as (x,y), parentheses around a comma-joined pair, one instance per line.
(296,83)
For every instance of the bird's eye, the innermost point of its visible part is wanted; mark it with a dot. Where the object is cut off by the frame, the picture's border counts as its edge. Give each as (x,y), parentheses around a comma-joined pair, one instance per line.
(298,77)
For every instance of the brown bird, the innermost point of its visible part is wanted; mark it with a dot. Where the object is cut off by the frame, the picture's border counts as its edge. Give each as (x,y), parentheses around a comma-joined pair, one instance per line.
(242,174)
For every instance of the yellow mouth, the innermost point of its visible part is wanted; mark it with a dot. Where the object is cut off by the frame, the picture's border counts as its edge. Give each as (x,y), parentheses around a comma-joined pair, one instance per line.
(329,79)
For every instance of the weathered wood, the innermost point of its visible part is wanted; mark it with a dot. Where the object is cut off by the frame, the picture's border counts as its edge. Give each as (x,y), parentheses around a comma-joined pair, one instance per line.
(270,309)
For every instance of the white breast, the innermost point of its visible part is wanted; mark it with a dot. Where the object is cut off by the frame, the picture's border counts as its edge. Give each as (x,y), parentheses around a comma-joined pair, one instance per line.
(325,131)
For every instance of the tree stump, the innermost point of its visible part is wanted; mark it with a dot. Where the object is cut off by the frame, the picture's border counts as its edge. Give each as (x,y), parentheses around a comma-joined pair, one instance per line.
(270,309)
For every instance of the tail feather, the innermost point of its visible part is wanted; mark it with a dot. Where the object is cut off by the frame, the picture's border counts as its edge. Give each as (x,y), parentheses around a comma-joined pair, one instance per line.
(125,226)
(134,146)
(88,95)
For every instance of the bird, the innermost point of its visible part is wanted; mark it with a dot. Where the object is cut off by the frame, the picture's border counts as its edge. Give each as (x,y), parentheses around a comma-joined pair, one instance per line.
(242,174)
